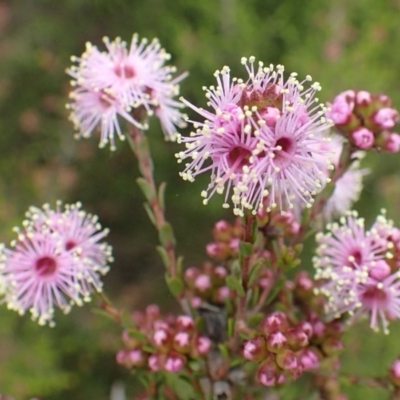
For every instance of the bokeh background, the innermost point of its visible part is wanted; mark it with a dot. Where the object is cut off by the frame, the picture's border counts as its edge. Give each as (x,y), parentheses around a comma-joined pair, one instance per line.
(342,44)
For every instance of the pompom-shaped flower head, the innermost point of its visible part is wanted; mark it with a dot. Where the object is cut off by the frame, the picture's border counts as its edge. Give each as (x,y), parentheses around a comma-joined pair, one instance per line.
(131,82)
(259,139)
(56,260)
(359,269)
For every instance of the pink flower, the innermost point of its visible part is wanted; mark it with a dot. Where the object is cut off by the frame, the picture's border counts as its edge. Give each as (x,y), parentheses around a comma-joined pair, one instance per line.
(117,82)
(353,263)
(386,118)
(342,108)
(57,260)
(250,156)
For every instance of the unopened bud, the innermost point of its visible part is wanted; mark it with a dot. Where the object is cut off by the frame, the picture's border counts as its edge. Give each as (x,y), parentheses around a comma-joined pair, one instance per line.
(275,322)
(287,360)
(174,363)
(297,338)
(255,349)
(309,359)
(363,138)
(268,373)
(394,373)
(276,342)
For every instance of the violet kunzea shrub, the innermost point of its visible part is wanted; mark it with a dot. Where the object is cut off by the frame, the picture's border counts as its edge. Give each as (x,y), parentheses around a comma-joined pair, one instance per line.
(253,316)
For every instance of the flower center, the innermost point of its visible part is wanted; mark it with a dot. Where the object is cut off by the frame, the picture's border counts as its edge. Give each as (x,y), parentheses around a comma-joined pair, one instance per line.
(269,97)
(284,147)
(45,266)
(124,71)
(70,245)
(238,157)
(373,294)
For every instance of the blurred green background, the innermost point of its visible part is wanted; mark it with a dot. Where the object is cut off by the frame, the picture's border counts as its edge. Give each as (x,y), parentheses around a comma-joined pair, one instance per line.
(342,44)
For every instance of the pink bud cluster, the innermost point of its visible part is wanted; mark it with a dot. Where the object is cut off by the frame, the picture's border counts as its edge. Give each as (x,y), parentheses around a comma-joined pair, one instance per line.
(226,240)
(281,350)
(161,344)
(366,120)
(276,223)
(284,351)
(207,284)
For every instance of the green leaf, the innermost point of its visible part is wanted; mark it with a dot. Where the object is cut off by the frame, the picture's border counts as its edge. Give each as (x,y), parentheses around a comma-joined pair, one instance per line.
(254,272)
(275,290)
(137,334)
(161,195)
(164,255)
(256,319)
(223,348)
(231,327)
(147,190)
(166,235)
(150,213)
(235,284)
(180,386)
(246,249)
(175,285)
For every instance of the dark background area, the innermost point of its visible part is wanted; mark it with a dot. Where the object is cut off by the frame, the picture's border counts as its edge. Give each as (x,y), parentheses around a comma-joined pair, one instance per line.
(339,43)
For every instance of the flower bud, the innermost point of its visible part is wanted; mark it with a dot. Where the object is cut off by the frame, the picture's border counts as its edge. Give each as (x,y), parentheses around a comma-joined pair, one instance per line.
(342,108)
(363,99)
(332,346)
(394,373)
(276,321)
(203,283)
(129,341)
(223,294)
(389,142)
(154,362)
(287,360)
(309,359)
(174,363)
(122,357)
(181,342)
(161,338)
(203,345)
(276,341)
(136,358)
(222,231)
(297,339)
(255,349)
(191,274)
(268,373)
(184,322)
(380,270)
(385,118)
(363,138)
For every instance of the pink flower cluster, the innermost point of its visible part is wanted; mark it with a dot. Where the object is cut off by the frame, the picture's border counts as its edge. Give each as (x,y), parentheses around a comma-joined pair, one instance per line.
(360,269)
(284,351)
(207,284)
(259,141)
(366,120)
(281,350)
(127,81)
(161,344)
(57,260)
(226,240)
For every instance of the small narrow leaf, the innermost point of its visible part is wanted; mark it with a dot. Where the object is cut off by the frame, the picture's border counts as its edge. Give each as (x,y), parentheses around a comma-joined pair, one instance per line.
(235,284)
(246,249)
(146,189)
(166,235)
(161,195)
(150,213)
(164,255)
(175,285)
